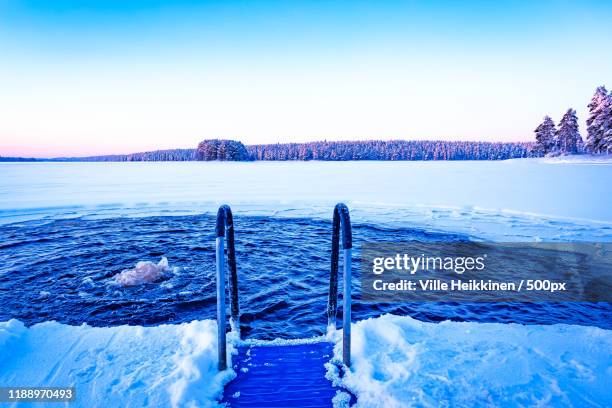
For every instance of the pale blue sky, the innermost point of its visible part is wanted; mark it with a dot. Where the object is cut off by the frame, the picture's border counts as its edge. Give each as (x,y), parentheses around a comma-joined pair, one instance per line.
(87,77)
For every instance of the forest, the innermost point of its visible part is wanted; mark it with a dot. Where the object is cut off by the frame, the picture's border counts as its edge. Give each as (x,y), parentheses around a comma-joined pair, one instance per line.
(232,150)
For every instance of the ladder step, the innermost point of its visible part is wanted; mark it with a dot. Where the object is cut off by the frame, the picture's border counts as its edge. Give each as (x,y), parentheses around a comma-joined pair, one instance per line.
(281,376)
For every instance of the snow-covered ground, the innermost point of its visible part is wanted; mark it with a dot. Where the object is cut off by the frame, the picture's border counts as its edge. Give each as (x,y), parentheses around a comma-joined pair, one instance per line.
(125,366)
(524,199)
(401,362)
(603,159)
(396,362)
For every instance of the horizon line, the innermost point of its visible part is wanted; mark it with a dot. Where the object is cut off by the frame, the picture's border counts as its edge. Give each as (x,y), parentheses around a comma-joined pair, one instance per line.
(261,144)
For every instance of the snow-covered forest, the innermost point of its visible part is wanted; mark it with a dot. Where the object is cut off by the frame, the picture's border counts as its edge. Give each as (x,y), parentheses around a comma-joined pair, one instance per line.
(231,150)
(390,150)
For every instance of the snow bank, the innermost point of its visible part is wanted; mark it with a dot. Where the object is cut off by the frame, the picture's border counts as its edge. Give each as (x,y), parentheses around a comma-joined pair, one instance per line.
(605,159)
(125,366)
(398,361)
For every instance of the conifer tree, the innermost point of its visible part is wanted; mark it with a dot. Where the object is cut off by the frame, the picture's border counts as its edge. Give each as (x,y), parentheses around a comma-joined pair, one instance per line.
(568,137)
(599,122)
(545,136)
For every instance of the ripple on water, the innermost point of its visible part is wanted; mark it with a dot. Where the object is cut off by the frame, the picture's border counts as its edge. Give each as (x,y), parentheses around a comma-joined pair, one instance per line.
(63,270)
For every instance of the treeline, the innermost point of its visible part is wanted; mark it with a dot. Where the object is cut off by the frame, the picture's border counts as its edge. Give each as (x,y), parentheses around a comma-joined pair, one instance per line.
(156,155)
(231,150)
(390,150)
(211,149)
(17,159)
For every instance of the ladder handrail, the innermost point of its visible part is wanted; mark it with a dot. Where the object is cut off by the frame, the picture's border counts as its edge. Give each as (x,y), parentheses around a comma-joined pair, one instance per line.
(341,223)
(225,230)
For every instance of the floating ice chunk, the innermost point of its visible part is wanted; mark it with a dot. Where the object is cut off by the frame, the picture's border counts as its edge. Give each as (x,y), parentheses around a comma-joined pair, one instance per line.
(143,272)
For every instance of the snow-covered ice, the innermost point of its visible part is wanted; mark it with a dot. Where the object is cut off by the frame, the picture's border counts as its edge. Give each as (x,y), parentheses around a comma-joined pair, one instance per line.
(603,159)
(125,366)
(513,200)
(401,362)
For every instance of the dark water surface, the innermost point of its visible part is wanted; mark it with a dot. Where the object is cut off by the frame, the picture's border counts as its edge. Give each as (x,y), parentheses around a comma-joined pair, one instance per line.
(63,270)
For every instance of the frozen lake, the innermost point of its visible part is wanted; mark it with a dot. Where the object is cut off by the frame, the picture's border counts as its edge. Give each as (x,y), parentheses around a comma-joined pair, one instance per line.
(59,253)
(507,200)
(282,212)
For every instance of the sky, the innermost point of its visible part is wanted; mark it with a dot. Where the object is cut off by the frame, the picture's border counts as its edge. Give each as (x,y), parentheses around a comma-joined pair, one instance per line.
(102,77)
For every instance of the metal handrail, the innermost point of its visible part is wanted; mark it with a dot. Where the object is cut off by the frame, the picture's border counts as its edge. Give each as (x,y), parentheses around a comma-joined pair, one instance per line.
(225,230)
(341,221)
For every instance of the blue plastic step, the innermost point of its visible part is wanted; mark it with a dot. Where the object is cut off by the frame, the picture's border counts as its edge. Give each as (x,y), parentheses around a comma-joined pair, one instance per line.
(281,376)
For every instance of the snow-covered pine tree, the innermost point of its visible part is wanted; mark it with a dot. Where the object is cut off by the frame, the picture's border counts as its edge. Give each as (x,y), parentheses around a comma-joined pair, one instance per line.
(580,146)
(607,125)
(545,136)
(568,138)
(598,122)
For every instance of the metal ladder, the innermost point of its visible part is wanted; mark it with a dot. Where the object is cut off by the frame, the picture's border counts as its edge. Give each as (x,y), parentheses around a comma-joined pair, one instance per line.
(225,231)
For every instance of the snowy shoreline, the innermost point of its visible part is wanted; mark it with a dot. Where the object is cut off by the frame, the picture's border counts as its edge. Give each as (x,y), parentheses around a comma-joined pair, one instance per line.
(397,361)
(127,366)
